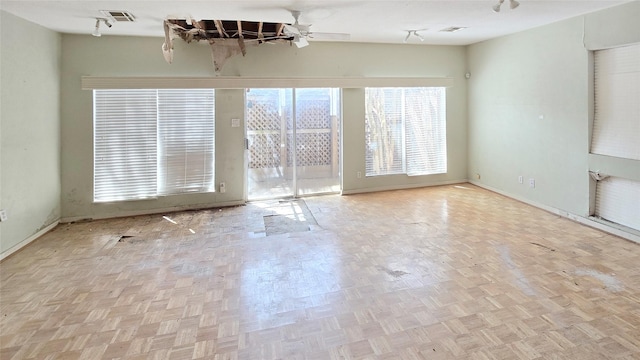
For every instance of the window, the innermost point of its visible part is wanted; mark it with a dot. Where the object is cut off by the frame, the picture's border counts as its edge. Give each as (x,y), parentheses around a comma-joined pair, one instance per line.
(618,201)
(405,131)
(616,125)
(616,130)
(149,143)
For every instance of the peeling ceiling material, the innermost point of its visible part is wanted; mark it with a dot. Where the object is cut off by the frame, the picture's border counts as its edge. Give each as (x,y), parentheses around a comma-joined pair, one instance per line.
(226,37)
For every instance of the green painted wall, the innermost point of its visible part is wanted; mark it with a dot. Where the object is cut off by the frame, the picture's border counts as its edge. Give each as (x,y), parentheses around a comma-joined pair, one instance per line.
(136,56)
(29,129)
(530,108)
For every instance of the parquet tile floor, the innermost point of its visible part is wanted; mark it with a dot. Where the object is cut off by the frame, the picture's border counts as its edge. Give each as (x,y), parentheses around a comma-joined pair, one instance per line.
(451,272)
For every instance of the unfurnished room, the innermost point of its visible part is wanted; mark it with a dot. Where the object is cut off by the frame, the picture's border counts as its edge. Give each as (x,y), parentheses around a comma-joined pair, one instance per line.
(274,179)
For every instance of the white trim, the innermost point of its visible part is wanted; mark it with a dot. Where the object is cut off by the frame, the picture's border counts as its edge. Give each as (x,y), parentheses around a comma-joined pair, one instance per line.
(590,221)
(97,82)
(28,240)
(152,211)
(401,187)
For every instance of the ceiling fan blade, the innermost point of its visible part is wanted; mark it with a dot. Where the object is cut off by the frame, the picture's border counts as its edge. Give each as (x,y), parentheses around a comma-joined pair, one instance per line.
(300,41)
(329,36)
(291,30)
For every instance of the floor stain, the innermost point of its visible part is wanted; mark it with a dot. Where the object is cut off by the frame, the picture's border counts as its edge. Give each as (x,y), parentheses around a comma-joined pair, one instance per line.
(395,273)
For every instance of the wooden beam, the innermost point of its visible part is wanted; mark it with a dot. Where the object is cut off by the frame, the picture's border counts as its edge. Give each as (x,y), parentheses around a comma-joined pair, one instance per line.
(243,48)
(260,35)
(220,28)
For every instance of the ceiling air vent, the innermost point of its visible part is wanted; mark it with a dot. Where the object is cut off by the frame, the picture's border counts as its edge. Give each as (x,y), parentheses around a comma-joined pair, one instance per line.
(117,15)
(453,29)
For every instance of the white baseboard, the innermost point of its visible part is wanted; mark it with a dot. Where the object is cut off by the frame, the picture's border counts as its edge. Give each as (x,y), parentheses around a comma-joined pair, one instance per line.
(70,219)
(401,187)
(611,229)
(28,240)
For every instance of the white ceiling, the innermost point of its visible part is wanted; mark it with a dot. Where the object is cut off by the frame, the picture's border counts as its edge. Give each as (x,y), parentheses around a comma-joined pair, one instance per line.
(381,21)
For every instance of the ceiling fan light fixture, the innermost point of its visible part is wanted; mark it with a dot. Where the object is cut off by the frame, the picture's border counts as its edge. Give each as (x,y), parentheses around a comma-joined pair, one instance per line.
(496,7)
(513,4)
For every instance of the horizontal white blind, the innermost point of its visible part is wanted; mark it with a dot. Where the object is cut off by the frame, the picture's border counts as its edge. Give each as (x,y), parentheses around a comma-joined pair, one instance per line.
(616,128)
(384,131)
(618,201)
(405,131)
(425,113)
(124,144)
(186,140)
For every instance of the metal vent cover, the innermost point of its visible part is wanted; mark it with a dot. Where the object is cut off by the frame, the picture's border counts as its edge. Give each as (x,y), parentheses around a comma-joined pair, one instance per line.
(453,29)
(118,15)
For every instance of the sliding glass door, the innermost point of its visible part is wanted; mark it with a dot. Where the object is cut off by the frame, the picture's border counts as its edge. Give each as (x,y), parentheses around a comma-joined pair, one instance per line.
(293,142)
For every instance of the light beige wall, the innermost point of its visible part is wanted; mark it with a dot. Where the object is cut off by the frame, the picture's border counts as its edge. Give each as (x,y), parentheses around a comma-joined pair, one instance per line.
(530,107)
(615,26)
(29,130)
(131,56)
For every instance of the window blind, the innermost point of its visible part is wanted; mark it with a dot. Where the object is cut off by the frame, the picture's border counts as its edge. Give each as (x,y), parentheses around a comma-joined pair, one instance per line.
(153,142)
(124,144)
(186,140)
(384,131)
(405,131)
(618,201)
(616,127)
(426,131)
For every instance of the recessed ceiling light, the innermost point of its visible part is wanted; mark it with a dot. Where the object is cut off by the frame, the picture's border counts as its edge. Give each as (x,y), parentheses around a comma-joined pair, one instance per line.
(453,29)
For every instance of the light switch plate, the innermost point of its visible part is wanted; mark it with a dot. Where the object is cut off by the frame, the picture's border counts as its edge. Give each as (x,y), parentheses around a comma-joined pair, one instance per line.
(235,122)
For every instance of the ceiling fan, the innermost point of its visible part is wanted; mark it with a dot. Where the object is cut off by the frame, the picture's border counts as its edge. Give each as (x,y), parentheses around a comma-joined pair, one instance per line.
(302,32)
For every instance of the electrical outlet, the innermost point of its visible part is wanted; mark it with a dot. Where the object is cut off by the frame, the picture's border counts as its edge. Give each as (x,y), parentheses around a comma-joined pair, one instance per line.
(223,187)
(477,176)
(3,215)
(359,174)
(520,179)
(532,183)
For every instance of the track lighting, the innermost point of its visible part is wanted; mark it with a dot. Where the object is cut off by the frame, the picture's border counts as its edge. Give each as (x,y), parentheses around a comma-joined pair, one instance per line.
(512,5)
(415,33)
(96,31)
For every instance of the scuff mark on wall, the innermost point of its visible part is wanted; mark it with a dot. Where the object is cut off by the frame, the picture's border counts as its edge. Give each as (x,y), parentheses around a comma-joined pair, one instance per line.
(53,216)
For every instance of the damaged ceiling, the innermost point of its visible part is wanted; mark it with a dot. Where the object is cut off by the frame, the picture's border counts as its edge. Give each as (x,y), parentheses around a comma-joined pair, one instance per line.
(424,22)
(231,37)
(226,37)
